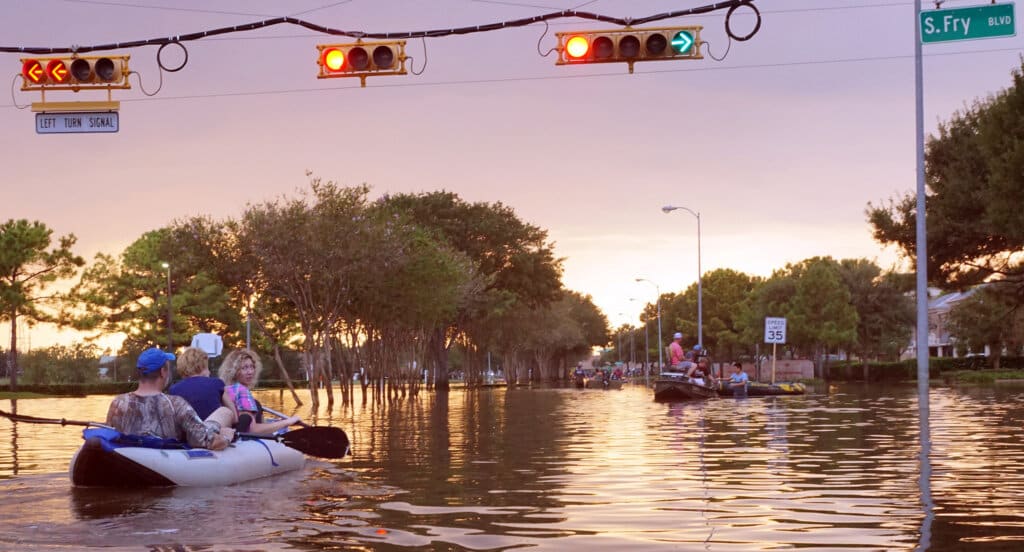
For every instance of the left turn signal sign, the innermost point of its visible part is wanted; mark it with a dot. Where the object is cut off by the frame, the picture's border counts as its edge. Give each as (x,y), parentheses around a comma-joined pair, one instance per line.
(32,70)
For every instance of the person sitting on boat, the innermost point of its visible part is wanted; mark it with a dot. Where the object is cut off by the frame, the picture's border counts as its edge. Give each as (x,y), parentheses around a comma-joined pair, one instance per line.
(617,373)
(206,395)
(240,371)
(148,411)
(677,359)
(698,371)
(738,380)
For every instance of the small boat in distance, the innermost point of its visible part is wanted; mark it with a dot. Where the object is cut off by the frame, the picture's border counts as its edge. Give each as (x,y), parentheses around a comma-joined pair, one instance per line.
(602,383)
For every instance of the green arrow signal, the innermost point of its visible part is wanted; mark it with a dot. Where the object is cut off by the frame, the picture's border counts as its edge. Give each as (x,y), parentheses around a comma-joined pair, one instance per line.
(682,42)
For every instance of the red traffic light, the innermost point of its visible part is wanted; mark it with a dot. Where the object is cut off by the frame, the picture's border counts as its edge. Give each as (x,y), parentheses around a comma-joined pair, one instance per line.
(32,70)
(333,59)
(577,47)
(56,71)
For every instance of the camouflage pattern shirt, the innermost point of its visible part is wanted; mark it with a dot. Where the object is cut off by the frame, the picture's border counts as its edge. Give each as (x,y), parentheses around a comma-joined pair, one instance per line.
(166,416)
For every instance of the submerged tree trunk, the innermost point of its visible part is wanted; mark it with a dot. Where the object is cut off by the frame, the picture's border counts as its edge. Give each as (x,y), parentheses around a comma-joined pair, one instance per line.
(440,355)
(12,363)
(284,374)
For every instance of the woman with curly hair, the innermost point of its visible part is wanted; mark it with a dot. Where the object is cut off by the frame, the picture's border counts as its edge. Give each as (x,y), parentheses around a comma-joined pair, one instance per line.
(240,371)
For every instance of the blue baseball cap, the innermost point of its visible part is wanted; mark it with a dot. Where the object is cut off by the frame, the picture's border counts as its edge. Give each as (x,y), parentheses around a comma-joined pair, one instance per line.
(152,359)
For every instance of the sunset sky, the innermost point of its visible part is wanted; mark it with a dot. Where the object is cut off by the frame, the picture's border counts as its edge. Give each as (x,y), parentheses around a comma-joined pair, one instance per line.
(780,146)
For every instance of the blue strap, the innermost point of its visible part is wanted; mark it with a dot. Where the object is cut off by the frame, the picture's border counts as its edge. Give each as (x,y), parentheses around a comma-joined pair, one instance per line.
(272,462)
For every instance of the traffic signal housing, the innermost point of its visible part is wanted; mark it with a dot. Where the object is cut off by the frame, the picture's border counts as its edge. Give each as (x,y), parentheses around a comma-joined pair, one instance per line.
(629,45)
(361,59)
(74,73)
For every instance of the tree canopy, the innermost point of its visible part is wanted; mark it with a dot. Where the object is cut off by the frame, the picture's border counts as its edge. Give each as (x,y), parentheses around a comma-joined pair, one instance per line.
(28,266)
(975,181)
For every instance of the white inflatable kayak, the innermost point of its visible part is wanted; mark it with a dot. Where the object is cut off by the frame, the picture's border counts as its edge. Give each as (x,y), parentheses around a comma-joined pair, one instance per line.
(105,460)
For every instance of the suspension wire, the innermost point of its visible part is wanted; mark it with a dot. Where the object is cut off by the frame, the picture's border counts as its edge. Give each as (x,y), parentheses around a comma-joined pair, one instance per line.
(730,5)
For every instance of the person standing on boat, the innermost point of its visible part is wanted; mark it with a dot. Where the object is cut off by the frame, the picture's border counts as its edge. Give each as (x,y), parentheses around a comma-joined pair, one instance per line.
(206,395)
(738,381)
(240,371)
(148,411)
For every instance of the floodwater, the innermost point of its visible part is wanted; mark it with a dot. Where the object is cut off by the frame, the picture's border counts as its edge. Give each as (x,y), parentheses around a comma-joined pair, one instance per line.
(566,469)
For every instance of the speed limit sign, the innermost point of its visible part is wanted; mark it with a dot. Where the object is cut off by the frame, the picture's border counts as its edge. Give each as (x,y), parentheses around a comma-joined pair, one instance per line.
(774,330)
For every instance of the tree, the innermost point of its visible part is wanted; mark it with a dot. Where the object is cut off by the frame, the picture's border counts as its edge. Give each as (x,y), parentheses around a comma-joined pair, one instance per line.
(988,318)
(975,178)
(129,294)
(27,267)
(813,299)
(885,313)
(513,259)
(820,315)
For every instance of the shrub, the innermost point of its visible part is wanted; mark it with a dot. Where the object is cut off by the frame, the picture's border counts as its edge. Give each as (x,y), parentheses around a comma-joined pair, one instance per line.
(59,364)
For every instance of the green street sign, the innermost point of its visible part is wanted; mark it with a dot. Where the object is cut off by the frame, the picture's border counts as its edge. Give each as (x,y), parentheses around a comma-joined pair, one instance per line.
(988,21)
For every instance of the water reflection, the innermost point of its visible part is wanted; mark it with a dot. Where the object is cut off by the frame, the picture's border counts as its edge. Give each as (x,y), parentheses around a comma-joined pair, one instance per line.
(566,469)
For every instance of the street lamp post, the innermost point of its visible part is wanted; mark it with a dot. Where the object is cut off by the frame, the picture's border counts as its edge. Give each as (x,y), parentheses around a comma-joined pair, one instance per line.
(660,349)
(647,345)
(170,330)
(618,335)
(700,310)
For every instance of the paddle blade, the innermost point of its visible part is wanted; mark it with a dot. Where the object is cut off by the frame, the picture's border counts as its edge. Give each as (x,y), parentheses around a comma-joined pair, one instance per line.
(322,442)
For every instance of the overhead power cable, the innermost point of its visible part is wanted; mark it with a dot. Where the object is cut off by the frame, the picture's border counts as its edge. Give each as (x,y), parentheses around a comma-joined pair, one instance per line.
(522,22)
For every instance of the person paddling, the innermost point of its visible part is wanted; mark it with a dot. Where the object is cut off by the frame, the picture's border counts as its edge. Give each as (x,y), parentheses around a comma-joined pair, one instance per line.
(148,411)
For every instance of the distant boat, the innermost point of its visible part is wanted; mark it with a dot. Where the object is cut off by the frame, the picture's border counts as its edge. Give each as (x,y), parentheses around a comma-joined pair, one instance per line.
(601,383)
(674,386)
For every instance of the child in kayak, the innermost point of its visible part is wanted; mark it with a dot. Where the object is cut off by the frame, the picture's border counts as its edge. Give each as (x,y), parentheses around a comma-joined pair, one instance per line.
(206,395)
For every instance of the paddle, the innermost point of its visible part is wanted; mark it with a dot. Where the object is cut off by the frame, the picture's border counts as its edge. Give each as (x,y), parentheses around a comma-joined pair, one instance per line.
(334,439)
(322,442)
(34,420)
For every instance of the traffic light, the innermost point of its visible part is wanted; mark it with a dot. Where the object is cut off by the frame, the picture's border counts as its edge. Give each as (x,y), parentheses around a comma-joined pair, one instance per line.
(629,45)
(361,59)
(74,73)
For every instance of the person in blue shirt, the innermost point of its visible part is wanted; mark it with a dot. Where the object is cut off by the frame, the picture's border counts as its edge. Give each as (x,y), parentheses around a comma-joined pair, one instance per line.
(738,380)
(206,395)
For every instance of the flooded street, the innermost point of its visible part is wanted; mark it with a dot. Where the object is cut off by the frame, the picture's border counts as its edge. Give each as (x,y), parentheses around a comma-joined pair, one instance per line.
(564,469)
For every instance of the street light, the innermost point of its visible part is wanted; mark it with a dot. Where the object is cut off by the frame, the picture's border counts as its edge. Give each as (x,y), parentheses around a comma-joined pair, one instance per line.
(647,345)
(700,313)
(170,331)
(658,291)
(647,349)
(618,335)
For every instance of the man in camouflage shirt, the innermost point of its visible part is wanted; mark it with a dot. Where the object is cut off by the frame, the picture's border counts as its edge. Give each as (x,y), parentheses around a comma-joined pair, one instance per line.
(148,411)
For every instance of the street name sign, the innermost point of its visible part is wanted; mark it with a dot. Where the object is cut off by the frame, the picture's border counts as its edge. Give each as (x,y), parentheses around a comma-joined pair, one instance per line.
(69,123)
(973,22)
(774,330)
